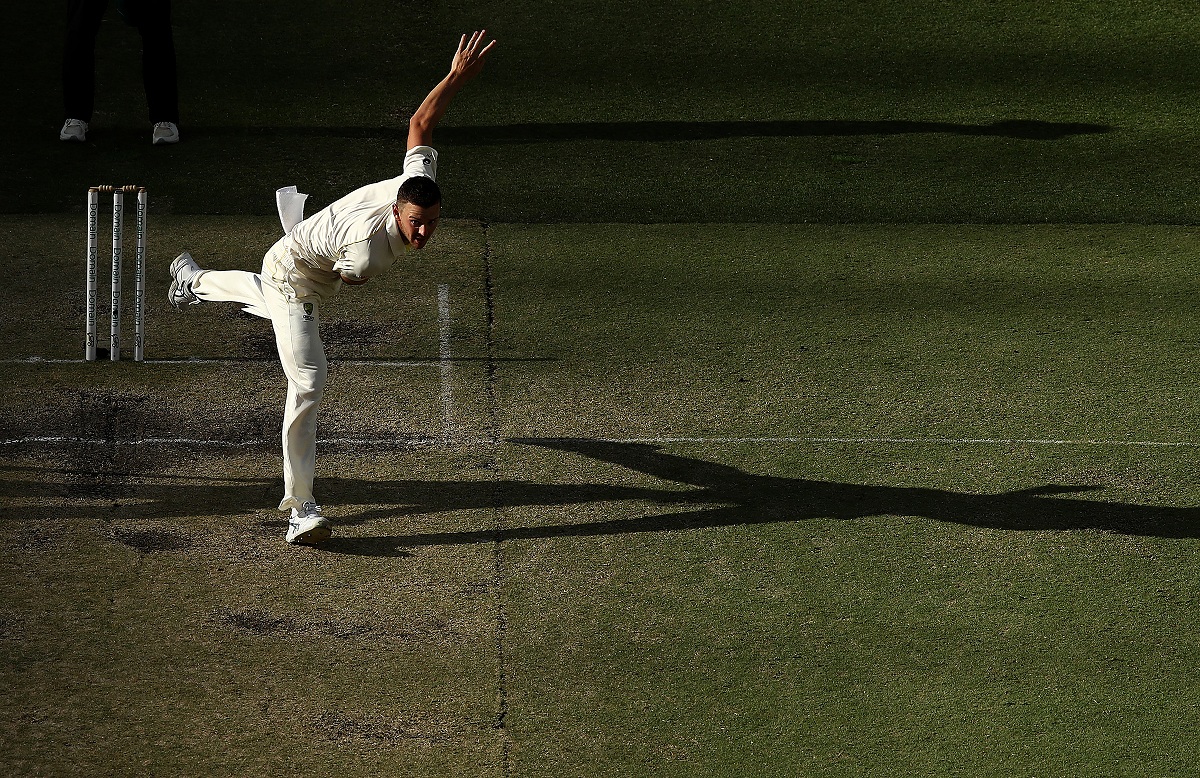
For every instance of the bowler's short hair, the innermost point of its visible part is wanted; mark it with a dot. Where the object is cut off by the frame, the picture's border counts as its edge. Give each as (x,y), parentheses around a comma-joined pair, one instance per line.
(421,191)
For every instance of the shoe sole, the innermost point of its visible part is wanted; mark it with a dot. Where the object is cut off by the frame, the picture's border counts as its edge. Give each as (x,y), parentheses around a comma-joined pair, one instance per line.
(318,534)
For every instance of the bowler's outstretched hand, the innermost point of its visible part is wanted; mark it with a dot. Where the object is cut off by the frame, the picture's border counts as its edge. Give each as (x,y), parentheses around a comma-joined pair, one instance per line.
(468,60)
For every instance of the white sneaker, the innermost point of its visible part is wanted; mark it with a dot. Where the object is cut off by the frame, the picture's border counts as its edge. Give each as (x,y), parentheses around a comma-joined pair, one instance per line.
(183,271)
(73,129)
(307,526)
(164,132)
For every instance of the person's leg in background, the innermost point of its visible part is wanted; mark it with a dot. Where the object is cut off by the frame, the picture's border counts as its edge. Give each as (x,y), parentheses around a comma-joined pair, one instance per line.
(79,66)
(159,72)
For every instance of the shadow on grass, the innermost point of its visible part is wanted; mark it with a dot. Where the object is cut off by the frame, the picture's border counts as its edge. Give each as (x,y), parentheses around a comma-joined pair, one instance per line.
(747,499)
(722,496)
(659,131)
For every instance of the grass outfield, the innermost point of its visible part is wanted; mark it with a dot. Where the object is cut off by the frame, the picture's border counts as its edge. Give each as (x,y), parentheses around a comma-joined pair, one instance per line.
(684,500)
(793,389)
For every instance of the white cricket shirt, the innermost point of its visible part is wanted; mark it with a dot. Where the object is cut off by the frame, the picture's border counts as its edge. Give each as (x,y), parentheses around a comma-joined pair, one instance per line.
(355,236)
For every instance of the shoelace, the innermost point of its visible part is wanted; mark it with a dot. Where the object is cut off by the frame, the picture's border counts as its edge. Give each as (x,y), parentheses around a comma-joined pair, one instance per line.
(311,509)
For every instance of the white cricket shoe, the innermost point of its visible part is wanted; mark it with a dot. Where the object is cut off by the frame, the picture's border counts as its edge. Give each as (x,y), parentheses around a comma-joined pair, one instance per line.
(73,129)
(307,526)
(164,132)
(183,271)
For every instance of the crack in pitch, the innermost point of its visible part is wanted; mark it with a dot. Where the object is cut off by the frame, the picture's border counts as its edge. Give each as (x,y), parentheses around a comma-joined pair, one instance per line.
(445,358)
(500,724)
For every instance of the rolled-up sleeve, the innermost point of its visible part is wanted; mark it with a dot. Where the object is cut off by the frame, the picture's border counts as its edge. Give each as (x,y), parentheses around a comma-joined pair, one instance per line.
(421,161)
(365,259)
(355,263)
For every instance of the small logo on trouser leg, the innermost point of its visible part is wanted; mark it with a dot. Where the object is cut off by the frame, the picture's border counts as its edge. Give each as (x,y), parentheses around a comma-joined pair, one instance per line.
(308,311)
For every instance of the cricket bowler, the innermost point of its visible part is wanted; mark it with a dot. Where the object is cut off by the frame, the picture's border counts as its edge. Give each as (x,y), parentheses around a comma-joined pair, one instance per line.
(351,241)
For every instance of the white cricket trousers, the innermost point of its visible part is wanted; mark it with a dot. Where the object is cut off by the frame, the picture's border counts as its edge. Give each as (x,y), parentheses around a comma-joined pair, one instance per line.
(297,337)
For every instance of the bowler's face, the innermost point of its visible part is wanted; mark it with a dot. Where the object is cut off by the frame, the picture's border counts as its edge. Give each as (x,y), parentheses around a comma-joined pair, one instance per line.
(416,223)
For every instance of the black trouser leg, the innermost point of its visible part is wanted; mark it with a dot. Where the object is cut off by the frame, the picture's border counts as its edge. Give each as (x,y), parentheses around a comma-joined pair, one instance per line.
(158,61)
(79,57)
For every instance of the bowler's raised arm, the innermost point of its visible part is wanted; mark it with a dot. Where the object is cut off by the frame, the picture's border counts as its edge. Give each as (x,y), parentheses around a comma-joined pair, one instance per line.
(466,64)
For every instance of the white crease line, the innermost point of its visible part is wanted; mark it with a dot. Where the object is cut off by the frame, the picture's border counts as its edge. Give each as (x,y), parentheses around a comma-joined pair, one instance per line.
(447,365)
(414,441)
(428,441)
(911,441)
(202,361)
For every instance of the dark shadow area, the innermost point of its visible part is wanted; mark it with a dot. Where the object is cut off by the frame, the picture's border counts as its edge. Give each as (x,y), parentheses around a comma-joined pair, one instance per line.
(722,496)
(753,499)
(181,497)
(768,498)
(659,131)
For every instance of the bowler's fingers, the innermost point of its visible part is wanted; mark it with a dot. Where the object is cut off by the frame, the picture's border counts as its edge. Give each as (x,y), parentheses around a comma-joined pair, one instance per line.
(469,54)
(476,39)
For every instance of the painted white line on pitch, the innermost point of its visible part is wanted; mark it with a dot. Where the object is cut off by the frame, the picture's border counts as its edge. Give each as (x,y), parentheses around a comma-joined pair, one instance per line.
(909,441)
(445,360)
(421,440)
(58,439)
(204,361)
